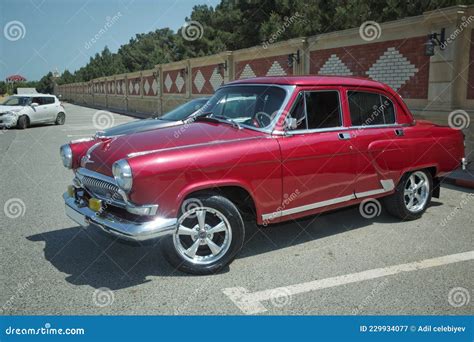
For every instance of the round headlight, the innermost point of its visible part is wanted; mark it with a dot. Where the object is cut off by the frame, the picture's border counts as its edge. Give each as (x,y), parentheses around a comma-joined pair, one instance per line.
(66,155)
(123,174)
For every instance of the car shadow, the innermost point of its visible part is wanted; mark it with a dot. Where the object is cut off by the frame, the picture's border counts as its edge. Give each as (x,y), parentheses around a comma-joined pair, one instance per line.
(90,257)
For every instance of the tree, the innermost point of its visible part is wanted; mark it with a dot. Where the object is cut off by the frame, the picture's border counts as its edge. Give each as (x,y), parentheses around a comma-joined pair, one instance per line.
(46,84)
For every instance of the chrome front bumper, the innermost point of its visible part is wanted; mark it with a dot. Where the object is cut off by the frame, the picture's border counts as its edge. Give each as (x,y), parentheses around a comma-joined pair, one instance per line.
(111,224)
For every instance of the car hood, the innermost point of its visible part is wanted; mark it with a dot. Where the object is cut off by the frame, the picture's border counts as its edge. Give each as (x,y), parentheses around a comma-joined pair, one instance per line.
(137,126)
(108,150)
(4,109)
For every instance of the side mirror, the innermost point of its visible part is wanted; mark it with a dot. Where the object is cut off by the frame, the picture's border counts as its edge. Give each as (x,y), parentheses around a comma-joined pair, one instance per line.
(291,123)
(34,104)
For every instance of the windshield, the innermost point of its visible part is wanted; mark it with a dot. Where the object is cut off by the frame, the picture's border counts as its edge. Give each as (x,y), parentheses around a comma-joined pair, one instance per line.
(16,101)
(184,111)
(254,106)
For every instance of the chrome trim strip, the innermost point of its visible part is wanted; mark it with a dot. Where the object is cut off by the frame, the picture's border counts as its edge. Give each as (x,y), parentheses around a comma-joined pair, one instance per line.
(387,184)
(125,229)
(307,207)
(214,142)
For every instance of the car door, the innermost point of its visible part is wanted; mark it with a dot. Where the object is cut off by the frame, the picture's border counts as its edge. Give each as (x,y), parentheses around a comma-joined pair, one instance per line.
(37,111)
(317,155)
(373,130)
(50,108)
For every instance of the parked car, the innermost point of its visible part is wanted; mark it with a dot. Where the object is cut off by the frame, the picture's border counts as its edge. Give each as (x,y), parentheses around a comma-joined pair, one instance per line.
(30,109)
(273,148)
(172,118)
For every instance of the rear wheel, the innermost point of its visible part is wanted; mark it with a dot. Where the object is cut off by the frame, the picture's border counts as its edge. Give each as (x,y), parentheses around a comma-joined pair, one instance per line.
(22,122)
(209,234)
(412,195)
(60,119)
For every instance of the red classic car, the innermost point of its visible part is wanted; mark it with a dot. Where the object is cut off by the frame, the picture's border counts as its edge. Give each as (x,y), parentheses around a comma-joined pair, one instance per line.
(273,148)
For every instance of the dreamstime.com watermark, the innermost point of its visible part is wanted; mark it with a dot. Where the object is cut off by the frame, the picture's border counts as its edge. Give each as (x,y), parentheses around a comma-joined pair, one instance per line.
(109,22)
(14,30)
(370,297)
(370,30)
(459,119)
(465,22)
(102,297)
(466,198)
(192,30)
(287,22)
(46,330)
(287,199)
(459,296)
(14,208)
(370,208)
(20,289)
(103,119)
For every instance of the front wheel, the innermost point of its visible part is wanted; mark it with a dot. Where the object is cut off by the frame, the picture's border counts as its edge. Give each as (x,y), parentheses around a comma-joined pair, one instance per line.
(209,234)
(22,122)
(412,195)
(60,119)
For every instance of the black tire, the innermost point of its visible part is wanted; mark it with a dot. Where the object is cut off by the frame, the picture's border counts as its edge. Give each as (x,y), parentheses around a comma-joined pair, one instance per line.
(23,122)
(396,204)
(60,119)
(231,213)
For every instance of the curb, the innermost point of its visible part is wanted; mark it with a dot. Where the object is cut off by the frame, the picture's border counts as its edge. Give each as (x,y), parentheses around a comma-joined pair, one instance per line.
(465,183)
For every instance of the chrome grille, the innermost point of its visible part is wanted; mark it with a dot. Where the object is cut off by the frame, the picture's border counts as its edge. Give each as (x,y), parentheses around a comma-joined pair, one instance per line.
(102,189)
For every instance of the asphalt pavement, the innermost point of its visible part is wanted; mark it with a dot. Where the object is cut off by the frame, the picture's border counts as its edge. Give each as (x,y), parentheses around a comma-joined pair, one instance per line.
(335,263)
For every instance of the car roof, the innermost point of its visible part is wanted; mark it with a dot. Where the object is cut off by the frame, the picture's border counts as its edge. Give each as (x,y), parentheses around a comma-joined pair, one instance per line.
(34,95)
(310,80)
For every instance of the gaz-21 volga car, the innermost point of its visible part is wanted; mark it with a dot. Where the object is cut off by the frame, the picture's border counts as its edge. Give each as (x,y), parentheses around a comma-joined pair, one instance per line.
(272,148)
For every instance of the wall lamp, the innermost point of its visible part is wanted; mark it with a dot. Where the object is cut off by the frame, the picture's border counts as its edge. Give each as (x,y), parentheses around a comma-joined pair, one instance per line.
(222,67)
(433,40)
(183,72)
(293,57)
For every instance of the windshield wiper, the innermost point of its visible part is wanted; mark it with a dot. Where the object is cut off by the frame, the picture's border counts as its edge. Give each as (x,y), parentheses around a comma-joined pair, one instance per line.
(232,122)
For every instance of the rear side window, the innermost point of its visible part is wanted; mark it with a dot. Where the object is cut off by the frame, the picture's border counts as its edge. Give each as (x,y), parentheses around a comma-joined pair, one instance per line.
(317,110)
(368,109)
(47,100)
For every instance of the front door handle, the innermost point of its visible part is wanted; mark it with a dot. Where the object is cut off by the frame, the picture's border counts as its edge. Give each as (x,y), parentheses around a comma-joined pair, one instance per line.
(344,136)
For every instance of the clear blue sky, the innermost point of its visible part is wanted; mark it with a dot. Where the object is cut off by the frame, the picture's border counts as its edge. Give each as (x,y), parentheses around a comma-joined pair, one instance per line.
(56,32)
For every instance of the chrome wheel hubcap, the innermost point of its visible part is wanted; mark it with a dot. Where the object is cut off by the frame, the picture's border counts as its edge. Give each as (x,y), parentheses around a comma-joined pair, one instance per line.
(416,193)
(203,235)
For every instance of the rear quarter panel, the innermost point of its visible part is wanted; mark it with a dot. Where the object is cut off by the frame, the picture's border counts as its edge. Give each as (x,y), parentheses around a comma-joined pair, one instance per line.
(423,145)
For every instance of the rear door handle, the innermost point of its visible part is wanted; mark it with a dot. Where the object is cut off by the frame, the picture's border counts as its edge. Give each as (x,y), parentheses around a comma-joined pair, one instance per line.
(344,136)
(399,132)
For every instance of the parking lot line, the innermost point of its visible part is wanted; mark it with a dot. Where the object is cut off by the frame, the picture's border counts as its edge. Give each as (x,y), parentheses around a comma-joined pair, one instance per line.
(251,303)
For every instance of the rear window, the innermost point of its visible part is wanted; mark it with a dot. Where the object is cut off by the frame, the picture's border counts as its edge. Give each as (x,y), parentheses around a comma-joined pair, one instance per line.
(369,109)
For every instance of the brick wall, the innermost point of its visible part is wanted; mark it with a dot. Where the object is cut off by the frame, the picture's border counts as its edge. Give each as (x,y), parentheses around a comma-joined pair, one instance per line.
(206,79)
(470,84)
(399,63)
(272,66)
(174,82)
(150,86)
(134,86)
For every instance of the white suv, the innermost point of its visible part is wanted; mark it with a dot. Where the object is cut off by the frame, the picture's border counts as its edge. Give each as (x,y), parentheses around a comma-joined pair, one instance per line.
(29,109)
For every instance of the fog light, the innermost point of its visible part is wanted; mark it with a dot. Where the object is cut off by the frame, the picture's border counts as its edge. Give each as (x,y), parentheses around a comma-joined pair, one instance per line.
(95,204)
(71,191)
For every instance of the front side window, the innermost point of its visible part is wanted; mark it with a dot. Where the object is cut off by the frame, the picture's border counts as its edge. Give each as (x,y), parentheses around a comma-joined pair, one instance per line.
(368,109)
(317,110)
(248,105)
